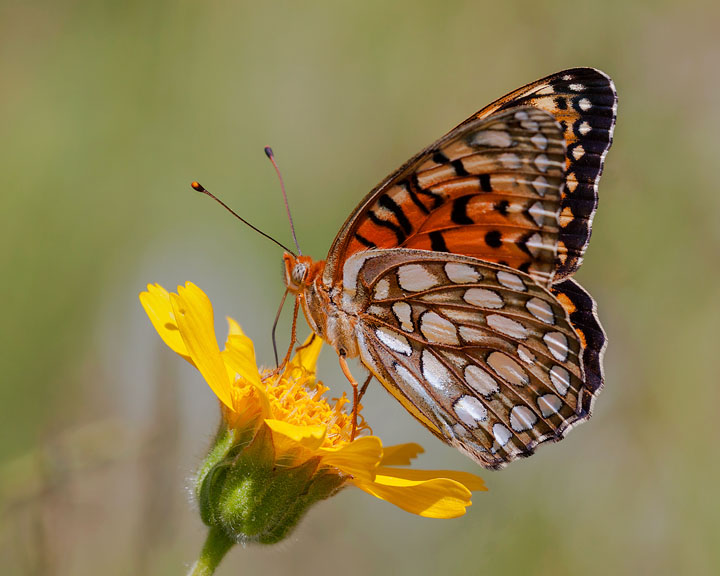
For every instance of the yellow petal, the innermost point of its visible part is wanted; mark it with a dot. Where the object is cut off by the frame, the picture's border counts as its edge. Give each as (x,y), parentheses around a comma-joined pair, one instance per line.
(234,327)
(158,307)
(470,481)
(307,354)
(433,498)
(400,454)
(194,316)
(310,437)
(239,354)
(359,458)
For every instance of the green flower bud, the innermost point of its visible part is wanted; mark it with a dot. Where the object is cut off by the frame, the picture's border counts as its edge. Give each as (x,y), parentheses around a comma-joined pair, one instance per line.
(244,491)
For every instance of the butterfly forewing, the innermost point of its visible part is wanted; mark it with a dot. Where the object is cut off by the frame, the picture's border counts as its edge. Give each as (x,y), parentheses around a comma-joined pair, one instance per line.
(483,353)
(584,102)
(490,189)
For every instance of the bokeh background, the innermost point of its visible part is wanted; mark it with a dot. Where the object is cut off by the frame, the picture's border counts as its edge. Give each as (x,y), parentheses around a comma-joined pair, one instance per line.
(110,109)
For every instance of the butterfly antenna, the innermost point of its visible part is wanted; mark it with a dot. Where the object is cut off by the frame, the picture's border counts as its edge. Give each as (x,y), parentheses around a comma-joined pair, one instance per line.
(269,153)
(200,188)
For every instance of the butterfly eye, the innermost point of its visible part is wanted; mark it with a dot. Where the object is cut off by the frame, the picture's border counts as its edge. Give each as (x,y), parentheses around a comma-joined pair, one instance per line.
(298,273)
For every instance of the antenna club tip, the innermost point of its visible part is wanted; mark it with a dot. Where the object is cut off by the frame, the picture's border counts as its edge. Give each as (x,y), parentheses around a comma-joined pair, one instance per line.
(197,186)
(269,152)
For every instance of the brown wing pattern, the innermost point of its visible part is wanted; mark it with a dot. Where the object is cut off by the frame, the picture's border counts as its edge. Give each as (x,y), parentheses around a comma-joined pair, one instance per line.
(490,189)
(482,354)
(584,319)
(584,102)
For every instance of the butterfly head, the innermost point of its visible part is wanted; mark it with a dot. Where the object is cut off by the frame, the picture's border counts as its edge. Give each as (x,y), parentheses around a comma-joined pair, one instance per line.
(300,271)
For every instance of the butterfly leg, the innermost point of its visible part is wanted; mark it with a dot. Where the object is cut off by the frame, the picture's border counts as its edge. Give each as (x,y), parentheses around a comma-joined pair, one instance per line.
(293,333)
(364,387)
(354,384)
(274,328)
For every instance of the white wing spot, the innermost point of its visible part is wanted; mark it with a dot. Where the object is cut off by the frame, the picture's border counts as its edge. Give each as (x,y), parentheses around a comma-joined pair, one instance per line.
(522,418)
(493,138)
(501,433)
(510,161)
(576,87)
(557,343)
(585,104)
(542,162)
(549,404)
(535,244)
(403,313)
(525,354)
(394,340)
(382,289)
(438,297)
(512,281)
(407,376)
(471,411)
(437,329)
(560,378)
(578,152)
(483,298)
(521,115)
(507,369)
(461,273)
(481,381)
(415,278)
(473,335)
(539,141)
(541,185)
(507,326)
(461,316)
(584,128)
(537,212)
(435,372)
(541,310)
(530,125)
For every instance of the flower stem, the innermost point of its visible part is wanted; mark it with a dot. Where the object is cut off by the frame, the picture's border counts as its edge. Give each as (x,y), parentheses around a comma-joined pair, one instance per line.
(216,546)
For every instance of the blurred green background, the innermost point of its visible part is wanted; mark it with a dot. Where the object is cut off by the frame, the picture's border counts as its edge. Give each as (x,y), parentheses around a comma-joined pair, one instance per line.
(110,109)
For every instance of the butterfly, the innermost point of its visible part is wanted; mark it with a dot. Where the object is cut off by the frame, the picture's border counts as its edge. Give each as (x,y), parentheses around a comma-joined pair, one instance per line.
(452,280)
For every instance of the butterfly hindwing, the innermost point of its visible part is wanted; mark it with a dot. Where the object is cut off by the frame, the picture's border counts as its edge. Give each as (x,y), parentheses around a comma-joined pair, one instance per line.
(483,355)
(490,189)
(584,319)
(584,102)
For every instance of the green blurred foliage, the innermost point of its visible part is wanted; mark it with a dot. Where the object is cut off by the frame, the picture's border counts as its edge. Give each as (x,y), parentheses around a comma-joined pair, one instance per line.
(110,109)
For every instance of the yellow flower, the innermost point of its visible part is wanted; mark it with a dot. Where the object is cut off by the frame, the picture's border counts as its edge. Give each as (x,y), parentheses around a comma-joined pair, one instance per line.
(289,411)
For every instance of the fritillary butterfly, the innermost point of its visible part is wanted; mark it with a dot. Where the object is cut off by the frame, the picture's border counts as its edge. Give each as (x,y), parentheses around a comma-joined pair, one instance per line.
(451,281)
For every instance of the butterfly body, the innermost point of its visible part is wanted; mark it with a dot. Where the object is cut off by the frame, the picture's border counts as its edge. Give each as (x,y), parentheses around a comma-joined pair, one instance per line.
(450,281)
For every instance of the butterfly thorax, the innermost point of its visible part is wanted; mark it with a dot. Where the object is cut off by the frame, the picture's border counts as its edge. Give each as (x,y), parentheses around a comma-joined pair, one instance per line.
(321,304)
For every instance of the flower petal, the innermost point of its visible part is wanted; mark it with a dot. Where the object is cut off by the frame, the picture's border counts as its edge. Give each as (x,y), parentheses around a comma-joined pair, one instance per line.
(432,498)
(400,454)
(306,355)
(470,481)
(157,305)
(194,316)
(359,458)
(239,354)
(310,437)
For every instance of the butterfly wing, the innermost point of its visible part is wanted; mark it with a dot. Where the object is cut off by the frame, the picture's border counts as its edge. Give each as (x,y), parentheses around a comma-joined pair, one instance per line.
(490,189)
(483,355)
(436,185)
(584,102)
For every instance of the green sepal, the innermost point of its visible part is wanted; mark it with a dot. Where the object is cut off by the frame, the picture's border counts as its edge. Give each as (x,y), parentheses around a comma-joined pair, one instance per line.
(243,490)
(323,485)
